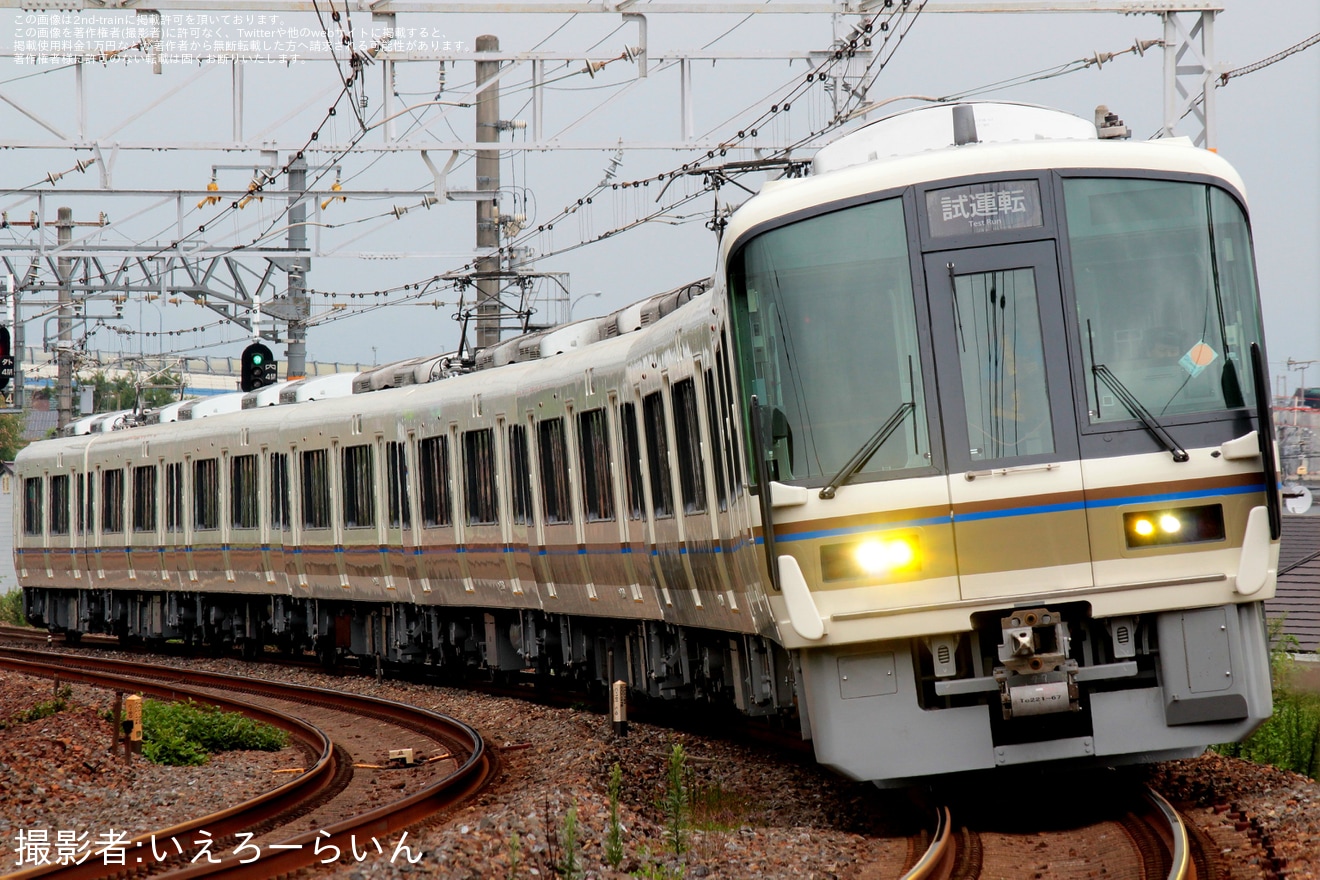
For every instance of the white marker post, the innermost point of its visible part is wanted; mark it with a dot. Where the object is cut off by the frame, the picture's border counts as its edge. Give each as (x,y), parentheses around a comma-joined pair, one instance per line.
(619,707)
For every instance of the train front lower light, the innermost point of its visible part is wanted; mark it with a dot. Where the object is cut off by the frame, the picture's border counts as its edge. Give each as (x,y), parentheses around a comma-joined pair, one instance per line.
(1179,525)
(870,557)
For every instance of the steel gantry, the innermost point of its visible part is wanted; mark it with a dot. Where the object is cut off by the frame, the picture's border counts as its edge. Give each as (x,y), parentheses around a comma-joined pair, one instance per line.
(246,270)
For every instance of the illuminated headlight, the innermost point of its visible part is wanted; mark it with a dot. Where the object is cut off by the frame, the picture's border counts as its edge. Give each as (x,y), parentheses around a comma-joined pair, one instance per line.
(1179,525)
(871,557)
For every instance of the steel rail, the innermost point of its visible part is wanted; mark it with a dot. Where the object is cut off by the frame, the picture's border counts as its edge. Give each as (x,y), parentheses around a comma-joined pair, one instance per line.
(472,774)
(304,787)
(1173,832)
(937,862)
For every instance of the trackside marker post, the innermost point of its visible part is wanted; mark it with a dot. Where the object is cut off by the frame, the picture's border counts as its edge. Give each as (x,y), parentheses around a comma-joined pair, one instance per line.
(619,707)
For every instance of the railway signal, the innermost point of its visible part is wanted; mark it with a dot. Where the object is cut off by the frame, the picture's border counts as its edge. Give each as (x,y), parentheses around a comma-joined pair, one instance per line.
(259,367)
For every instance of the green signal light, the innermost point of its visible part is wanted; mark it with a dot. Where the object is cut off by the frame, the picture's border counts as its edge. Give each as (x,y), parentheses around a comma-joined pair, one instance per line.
(257,359)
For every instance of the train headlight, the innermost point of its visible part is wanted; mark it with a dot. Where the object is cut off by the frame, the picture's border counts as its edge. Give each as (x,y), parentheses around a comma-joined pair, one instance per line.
(871,557)
(1179,525)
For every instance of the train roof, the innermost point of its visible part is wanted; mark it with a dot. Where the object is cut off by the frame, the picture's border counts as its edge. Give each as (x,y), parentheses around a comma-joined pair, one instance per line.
(919,146)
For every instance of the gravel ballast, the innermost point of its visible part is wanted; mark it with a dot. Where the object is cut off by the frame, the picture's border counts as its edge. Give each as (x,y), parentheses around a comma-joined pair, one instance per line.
(762,814)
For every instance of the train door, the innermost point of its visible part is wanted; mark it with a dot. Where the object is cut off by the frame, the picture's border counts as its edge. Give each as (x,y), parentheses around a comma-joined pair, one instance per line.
(521,528)
(635,541)
(275,521)
(1015,480)
(513,508)
(400,556)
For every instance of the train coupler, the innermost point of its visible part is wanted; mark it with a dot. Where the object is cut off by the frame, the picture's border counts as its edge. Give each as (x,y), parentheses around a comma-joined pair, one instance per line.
(1035,676)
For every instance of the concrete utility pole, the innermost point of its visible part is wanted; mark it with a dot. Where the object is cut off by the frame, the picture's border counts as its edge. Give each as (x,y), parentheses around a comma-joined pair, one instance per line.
(64,347)
(296,353)
(488,180)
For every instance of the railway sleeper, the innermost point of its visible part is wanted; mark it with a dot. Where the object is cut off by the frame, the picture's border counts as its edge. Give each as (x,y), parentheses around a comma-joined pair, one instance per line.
(658,660)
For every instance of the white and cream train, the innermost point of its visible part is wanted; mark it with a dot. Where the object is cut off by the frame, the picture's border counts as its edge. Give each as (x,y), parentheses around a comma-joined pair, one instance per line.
(959,457)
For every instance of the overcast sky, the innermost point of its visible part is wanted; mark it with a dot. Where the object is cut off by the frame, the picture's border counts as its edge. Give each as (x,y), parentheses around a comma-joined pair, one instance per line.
(1268,126)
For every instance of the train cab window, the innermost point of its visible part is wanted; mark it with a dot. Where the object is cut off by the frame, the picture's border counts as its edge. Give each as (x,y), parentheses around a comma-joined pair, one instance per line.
(554,472)
(174,497)
(359,491)
(827,340)
(316,489)
(479,477)
(687,440)
(713,418)
(520,476)
(657,455)
(1166,296)
(437,509)
(112,500)
(632,461)
(597,478)
(244,500)
(206,494)
(59,504)
(1001,354)
(34,489)
(279,490)
(144,498)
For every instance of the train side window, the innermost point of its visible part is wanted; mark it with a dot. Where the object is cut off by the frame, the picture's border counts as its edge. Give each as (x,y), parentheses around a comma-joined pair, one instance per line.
(632,460)
(316,489)
(716,456)
(279,490)
(597,478)
(687,438)
(520,476)
(59,504)
(33,490)
(436,505)
(244,501)
(174,497)
(112,500)
(206,494)
(657,455)
(144,498)
(396,484)
(359,488)
(479,477)
(732,451)
(554,472)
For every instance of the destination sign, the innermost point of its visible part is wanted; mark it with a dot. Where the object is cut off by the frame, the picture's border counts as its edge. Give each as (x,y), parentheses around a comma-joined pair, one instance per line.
(979,208)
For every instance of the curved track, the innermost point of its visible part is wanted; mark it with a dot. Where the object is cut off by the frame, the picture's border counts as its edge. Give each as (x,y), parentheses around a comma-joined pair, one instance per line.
(329,769)
(1163,845)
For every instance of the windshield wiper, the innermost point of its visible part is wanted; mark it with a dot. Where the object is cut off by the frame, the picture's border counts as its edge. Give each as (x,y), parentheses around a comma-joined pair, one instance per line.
(863,455)
(1134,406)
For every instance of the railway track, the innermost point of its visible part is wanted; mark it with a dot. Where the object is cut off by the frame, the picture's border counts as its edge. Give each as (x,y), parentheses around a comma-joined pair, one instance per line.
(323,796)
(1146,837)
(1161,847)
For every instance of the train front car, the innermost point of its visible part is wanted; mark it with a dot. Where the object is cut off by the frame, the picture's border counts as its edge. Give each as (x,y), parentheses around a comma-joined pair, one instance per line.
(1000,377)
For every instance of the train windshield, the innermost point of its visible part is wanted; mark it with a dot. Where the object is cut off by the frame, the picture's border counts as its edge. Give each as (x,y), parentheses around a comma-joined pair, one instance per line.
(827,339)
(1166,296)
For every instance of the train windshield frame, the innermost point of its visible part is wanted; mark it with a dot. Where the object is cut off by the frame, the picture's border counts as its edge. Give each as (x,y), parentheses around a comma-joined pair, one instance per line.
(803,294)
(831,313)
(1164,295)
